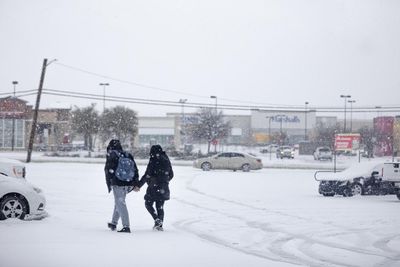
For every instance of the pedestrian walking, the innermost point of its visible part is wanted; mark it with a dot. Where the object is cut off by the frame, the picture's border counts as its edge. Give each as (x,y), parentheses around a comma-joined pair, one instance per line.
(157,176)
(121,177)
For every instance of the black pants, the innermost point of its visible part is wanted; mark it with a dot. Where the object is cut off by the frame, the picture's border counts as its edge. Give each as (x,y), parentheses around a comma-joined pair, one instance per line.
(159,206)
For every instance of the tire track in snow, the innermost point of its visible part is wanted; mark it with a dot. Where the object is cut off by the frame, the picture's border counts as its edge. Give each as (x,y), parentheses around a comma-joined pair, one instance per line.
(185,225)
(277,246)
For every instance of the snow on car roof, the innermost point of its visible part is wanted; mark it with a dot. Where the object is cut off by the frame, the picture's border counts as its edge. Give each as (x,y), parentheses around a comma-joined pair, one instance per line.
(354,171)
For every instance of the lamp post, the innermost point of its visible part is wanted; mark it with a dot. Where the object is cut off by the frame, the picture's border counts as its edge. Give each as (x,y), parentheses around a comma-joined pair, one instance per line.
(183,101)
(351,114)
(216,103)
(377,110)
(345,101)
(280,116)
(104,94)
(13,120)
(269,134)
(15,85)
(305,121)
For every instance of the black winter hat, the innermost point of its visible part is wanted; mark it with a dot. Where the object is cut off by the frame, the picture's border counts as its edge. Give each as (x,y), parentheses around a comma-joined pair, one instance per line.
(154,150)
(114,145)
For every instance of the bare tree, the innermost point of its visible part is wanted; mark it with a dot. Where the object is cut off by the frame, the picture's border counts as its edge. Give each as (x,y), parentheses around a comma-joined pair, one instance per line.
(85,121)
(119,122)
(210,127)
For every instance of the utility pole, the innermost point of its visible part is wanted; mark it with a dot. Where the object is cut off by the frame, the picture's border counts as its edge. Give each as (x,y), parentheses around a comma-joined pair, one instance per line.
(35,113)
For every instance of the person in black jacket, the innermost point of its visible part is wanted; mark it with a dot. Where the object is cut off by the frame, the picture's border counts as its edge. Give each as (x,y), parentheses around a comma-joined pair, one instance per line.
(119,187)
(157,176)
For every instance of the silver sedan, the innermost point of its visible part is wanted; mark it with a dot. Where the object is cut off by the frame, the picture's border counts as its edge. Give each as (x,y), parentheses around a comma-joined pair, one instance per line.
(229,161)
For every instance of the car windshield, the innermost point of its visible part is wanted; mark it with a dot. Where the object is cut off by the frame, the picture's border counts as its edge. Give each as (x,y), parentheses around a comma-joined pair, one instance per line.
(325,149)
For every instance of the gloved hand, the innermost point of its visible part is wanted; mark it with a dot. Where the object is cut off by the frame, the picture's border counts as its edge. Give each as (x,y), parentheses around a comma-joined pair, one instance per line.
(109,188)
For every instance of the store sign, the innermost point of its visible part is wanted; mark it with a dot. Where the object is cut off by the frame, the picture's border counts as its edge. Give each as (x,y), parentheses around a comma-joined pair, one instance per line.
(345,142)
(286,119)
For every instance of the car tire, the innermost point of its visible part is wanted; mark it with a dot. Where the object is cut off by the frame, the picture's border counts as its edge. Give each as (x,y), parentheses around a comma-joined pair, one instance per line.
(13,207)
(398,195)
(206,166)
(348,192)
(246,167)
(356,189)
(328,194)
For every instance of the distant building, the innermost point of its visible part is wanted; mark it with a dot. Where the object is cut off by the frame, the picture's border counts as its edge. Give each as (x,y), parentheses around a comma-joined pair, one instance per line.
(296,125)
(14,113)
(53,125)
(157,130)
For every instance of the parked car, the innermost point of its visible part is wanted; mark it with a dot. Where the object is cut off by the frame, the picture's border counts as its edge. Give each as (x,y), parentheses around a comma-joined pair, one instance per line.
(323,153)
(270,149)
(12,167)
(20,199)
(285,152)
(364,178)
(230,161)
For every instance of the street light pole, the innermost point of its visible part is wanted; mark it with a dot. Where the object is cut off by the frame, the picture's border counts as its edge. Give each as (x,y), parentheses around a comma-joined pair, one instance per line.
(13,120)
(305,121)
(183,101)
(377,110)
(351,114)
(280,116)
(269,134)
(345,101)
(15,84)
(104,94)
(216,103)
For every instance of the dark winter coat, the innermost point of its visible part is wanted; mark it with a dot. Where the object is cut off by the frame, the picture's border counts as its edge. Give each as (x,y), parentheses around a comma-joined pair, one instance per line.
(157,176)
(114,149)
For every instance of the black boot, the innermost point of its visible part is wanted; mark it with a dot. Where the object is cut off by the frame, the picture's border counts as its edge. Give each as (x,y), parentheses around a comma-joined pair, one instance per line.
(158,225)
(112,226)
(125,230)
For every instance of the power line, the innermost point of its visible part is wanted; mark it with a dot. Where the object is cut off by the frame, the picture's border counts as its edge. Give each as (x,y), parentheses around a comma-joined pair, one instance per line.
(108,77)
(126,81)
(64,93)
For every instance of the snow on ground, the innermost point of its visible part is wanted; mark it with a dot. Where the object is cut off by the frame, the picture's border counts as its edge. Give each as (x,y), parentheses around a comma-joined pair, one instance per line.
(270,217)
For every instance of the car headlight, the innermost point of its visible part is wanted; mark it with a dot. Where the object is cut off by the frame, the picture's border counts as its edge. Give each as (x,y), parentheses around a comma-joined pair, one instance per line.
(37,190)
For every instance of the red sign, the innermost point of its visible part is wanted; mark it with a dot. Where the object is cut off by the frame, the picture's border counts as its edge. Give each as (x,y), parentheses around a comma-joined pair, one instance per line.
(344,142)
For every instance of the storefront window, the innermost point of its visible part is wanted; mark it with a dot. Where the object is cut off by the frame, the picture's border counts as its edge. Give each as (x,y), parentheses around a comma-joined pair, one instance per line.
(6,131)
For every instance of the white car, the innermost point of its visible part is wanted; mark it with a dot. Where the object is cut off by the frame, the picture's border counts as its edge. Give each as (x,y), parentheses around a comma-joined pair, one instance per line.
(285,152)
(12,167)
(20,199)
(323,153)
(229,161)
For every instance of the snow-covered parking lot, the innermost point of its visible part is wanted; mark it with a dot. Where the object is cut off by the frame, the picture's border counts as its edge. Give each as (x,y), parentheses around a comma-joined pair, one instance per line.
(271,217)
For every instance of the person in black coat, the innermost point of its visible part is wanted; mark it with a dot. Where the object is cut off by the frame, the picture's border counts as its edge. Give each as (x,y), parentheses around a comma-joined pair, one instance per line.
(157,176)
(119,187)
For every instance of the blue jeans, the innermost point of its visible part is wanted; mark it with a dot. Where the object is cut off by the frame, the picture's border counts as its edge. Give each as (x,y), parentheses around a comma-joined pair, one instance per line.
(120,209)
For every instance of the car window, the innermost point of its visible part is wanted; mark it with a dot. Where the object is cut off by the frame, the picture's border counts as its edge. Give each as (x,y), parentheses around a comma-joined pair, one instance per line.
(237,155)
(224,155)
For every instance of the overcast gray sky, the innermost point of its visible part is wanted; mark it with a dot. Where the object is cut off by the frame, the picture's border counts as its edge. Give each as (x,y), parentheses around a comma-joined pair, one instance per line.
(267,52)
